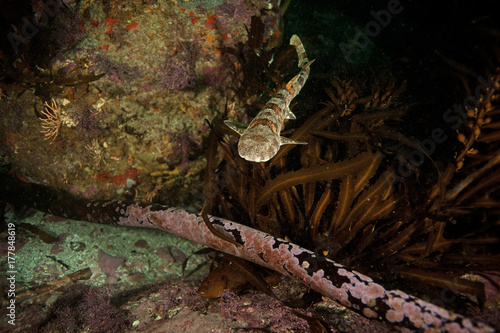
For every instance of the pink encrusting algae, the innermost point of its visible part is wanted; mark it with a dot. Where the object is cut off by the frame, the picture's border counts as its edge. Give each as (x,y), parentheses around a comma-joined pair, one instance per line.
(350,288)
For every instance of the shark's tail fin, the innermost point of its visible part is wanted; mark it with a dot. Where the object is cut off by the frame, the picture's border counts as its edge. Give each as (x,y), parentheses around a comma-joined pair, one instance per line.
(301,52)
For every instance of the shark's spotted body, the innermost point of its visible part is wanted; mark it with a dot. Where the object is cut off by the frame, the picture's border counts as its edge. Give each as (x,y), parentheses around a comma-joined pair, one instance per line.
(261,140)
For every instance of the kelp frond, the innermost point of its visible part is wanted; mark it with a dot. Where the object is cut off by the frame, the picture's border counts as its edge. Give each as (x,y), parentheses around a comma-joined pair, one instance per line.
(324,193)
(324,172)
(336,194)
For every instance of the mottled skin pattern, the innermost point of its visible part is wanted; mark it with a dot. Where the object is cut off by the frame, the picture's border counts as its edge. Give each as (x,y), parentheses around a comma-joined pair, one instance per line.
(350,288)
(261,140)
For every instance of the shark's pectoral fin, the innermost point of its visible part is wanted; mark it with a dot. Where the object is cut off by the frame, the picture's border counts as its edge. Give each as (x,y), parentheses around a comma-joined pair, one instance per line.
(309,63)
(287,141)
(236,126)
(289,114)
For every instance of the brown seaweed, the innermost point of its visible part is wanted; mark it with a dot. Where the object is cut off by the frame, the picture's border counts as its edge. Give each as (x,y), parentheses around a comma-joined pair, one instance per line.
(323,172)
(43,235)
(44,292)
(336,193)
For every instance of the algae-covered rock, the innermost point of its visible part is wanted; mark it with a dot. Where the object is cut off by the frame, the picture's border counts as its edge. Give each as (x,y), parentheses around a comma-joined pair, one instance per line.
(131,84)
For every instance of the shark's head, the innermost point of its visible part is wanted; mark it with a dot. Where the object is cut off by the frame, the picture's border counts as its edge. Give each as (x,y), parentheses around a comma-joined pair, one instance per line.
(258,148)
